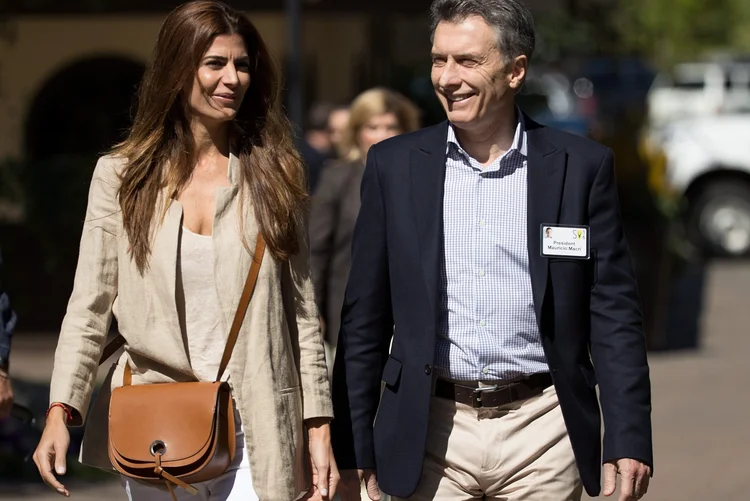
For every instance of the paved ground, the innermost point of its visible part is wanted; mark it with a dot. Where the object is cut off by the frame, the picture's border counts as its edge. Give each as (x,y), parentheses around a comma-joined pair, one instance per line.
(701,404)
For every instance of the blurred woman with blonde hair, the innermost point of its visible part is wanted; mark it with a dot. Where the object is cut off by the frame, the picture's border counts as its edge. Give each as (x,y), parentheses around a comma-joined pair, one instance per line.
(374,115)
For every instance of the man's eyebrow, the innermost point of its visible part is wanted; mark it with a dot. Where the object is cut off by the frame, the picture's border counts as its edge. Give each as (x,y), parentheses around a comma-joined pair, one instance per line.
(463,55)
(467,55)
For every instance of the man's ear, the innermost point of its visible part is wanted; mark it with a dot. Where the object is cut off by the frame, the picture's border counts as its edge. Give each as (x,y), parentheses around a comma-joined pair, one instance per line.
(518,68)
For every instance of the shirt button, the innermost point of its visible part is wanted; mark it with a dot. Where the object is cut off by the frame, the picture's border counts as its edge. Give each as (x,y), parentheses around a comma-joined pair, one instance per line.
(482,323)
(427,370)
(481,222)
(486,370)
(481,273)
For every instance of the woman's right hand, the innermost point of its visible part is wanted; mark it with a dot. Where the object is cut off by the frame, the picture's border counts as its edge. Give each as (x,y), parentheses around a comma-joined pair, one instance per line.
(49,456)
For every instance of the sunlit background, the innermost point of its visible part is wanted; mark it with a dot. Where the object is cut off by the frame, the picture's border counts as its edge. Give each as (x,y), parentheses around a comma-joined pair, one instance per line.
(665,83)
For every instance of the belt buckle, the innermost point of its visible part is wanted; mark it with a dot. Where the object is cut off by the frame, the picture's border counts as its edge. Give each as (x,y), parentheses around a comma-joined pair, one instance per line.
(476,396)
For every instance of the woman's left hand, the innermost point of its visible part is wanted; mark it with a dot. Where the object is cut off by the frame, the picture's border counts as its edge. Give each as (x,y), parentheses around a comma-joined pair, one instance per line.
(325,473)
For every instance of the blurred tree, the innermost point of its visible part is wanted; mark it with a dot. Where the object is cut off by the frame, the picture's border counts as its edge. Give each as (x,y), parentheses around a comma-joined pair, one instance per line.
(668,31)
(562,33)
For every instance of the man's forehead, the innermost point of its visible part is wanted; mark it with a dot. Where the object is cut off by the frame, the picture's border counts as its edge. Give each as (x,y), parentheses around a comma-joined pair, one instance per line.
(472,35)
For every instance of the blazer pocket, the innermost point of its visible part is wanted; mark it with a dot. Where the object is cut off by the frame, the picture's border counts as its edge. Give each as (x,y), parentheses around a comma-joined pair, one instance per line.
(589,376)
(392,373)
(291,389)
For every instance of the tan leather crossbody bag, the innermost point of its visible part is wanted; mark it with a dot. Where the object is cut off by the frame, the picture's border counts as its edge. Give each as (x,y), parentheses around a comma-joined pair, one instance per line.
(177,433)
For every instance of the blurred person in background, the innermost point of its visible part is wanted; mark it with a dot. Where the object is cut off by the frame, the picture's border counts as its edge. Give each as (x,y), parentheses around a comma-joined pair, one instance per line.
(313,161)
(317,147)
(172,215)
(7,325)
(323,120)
(338,123)
(374,115)
(489,388)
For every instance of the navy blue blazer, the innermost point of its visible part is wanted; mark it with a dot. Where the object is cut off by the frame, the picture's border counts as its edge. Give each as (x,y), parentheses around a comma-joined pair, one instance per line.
(588,311)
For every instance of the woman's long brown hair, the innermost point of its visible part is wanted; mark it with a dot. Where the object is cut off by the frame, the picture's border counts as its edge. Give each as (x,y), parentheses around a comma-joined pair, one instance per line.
(160,148)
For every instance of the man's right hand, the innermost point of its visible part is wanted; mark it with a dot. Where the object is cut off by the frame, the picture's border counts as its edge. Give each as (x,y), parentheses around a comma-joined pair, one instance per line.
(350,485)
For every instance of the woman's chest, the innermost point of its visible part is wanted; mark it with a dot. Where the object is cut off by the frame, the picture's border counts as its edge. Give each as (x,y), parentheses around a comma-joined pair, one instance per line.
(198,200)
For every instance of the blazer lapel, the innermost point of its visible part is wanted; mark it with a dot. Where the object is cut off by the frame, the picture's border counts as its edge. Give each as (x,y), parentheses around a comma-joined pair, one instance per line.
(232,260)
(163,271)
(545,179)
(427,178)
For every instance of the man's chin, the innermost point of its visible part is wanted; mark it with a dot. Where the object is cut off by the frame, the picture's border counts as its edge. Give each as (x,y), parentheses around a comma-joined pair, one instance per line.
(461,120)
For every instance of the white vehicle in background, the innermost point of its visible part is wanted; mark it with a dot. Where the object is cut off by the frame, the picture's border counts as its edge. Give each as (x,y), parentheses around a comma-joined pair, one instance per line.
(699,89)
(701,167)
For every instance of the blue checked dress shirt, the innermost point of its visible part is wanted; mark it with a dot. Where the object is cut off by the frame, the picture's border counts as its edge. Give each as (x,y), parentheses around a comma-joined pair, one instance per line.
(487,328)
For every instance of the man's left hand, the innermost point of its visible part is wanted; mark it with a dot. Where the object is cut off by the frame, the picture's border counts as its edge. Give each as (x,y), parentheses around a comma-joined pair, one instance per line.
(634,477)
(6,394)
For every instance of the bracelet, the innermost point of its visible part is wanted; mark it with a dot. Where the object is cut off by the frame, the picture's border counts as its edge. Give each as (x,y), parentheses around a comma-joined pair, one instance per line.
(68,412)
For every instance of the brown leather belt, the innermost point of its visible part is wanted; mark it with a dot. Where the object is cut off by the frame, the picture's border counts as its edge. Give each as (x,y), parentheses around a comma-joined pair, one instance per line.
(493,396)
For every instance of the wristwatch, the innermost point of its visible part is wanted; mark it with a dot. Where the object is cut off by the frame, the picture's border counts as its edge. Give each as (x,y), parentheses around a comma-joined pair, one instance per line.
(4,365)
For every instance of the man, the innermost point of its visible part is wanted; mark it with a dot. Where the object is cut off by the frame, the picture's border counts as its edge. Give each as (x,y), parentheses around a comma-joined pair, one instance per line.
(326,123)
(7,324)
(320,142)
(498,337)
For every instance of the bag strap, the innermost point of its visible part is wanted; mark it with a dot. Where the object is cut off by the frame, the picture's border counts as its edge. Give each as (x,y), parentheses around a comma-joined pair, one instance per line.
(247,293)
(239,316)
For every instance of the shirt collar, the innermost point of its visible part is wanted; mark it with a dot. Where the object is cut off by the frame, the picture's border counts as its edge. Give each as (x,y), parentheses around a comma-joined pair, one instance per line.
(519,139)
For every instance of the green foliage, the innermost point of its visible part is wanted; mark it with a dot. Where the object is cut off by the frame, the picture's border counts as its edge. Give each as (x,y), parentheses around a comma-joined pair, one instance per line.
(561,34)
(668,31)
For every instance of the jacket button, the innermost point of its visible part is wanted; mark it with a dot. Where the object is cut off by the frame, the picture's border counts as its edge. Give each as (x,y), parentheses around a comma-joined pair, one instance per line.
(427,370)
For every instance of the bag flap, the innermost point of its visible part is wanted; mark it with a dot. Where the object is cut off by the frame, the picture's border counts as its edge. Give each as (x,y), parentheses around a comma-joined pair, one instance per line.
(180,415)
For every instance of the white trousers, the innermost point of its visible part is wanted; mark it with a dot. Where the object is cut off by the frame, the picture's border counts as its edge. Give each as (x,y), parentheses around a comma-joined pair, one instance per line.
(236,484)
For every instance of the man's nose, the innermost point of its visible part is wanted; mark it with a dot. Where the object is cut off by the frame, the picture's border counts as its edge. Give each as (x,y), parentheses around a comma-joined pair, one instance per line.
(449,76)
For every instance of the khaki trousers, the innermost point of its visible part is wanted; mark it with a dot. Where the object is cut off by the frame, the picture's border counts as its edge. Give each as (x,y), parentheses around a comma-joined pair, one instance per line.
(517,452)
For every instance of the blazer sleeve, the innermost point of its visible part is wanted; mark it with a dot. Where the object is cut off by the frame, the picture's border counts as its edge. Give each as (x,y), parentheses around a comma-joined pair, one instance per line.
(618,346)
(316,392)
(366,329)
(89,312)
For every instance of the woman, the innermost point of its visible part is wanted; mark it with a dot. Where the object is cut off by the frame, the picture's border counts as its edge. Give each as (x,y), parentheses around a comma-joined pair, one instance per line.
(172,214)
(375,115)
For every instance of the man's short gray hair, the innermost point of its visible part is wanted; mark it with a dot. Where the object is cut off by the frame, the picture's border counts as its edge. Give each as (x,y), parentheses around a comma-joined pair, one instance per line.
(511,19)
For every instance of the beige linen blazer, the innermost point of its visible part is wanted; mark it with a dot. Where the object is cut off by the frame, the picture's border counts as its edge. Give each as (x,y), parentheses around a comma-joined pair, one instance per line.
(277,371)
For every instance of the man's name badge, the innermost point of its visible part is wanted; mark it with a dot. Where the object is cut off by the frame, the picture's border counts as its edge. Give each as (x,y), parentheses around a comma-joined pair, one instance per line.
(565,241)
